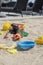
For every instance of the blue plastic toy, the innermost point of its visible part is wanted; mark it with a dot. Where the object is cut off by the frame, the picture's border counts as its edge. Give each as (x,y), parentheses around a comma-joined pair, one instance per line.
(26,44)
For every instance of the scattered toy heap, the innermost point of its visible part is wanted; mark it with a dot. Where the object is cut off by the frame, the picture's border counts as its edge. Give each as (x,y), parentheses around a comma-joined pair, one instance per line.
(18,32)
(16,29)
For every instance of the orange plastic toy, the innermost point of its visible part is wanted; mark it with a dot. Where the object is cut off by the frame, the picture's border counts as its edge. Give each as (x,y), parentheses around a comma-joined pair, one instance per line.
(17,36)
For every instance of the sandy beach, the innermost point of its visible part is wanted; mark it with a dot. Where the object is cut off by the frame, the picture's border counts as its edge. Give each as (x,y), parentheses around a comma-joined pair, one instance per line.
(34,56)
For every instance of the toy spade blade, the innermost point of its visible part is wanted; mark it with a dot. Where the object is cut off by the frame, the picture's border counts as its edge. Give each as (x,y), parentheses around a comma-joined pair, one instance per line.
(24,34)
(12,51)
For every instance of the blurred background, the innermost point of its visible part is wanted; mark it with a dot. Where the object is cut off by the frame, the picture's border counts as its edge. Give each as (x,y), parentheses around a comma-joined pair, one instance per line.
(32,6)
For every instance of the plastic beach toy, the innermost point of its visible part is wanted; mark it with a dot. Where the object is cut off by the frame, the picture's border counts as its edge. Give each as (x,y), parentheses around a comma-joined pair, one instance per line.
(1,32)
(24,34)
(12,51)
(39,40)
(17,36)
(6,26)
(26,44)
(21,26)
(14,29)
(6,47)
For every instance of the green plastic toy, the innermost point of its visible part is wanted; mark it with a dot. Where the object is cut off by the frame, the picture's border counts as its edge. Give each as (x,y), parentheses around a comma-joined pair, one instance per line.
(24,34)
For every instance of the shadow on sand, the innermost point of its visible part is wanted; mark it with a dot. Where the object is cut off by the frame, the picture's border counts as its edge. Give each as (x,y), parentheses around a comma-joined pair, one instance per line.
(20,49)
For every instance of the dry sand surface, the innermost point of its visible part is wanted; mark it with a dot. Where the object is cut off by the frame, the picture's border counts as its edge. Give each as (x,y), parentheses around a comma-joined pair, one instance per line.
(31,57)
